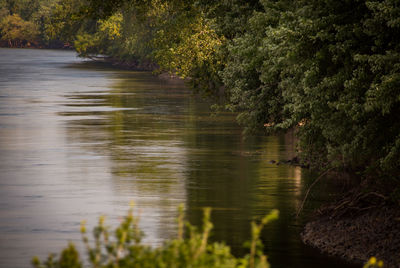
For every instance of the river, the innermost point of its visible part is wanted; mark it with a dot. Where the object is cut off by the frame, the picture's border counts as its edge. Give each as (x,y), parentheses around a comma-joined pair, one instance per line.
(79,139)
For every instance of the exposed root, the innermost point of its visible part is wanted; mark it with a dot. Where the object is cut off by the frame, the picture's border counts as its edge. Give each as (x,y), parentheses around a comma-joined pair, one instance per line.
(355,203)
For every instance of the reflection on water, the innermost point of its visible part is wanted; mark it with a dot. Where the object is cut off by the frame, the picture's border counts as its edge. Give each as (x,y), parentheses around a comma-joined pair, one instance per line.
(78,140)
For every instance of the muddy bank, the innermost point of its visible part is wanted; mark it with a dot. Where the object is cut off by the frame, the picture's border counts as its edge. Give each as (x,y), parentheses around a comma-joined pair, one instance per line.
(358,228)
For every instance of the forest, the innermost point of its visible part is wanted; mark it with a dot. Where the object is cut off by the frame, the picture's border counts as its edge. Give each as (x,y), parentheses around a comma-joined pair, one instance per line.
(328,69)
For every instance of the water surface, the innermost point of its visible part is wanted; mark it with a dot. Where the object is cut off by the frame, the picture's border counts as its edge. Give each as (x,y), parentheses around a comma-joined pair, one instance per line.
(78,140)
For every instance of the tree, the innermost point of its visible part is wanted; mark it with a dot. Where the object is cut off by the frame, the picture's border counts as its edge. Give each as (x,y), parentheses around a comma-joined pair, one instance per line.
(329,69)
(17,32)
(65,20)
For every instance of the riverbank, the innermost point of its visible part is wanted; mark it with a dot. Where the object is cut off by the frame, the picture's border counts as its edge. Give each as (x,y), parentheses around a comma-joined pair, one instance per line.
(358,226)
(125,64)
(134,65)
(36,45)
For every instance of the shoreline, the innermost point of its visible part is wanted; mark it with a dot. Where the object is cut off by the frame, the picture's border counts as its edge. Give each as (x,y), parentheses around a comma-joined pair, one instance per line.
(357,227)
(137,66)
(131,65)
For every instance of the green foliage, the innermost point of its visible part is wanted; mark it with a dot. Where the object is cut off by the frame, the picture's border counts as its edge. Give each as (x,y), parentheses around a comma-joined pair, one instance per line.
(45,21)
(65,20)
(17,31)
(187,45)
(103,41)
(24,8)
(328,69)
(125,249)
(229,17)
(173,34)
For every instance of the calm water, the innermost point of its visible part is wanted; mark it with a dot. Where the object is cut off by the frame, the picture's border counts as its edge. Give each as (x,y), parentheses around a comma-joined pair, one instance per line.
(78,140)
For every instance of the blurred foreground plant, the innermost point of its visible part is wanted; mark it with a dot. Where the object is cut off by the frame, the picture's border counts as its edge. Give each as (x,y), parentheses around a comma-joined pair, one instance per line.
(373,263)
(124,248)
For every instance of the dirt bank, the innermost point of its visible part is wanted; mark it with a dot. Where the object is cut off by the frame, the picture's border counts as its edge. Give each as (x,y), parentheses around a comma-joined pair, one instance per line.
(356,228)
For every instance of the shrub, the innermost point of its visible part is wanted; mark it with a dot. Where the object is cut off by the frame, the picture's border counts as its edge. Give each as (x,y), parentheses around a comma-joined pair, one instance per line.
(125,249)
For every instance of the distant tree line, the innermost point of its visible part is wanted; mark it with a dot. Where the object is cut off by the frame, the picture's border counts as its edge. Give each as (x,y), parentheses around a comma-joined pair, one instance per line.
(41,23)
(330,69)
